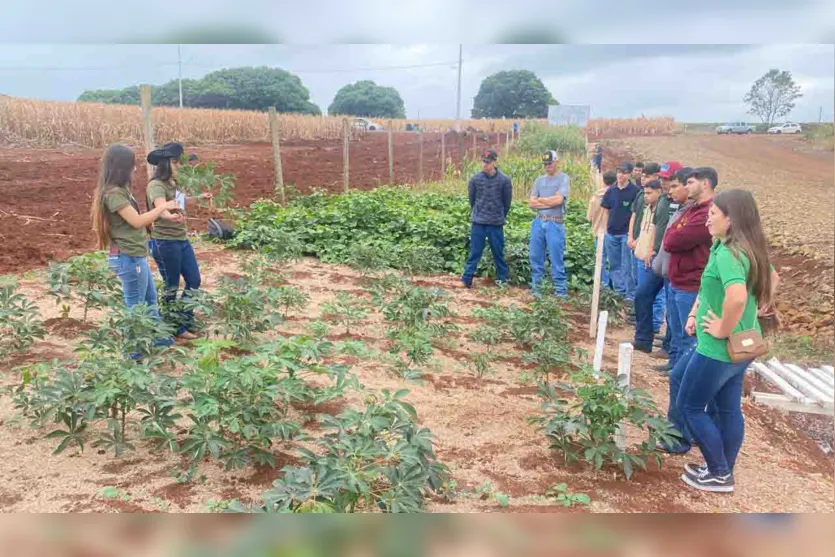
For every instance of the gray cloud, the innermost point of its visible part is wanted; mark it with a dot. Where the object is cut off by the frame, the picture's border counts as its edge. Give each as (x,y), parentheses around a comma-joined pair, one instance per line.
(689,82)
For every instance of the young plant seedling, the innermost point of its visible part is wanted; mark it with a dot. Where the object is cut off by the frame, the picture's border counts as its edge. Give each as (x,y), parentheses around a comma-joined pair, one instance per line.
(565,498)
(347,310)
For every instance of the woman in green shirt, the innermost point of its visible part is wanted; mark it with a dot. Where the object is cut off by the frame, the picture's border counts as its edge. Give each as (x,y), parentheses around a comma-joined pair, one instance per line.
(737,280)
(169,243)
(121,229)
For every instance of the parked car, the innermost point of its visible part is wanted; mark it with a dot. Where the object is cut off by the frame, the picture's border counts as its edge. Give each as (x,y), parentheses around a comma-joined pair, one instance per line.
(366,124)
(788,127)
(734,127)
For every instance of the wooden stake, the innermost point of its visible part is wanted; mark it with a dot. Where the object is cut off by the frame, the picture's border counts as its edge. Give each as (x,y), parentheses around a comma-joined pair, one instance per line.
(391,157)
(601,340)
(147,124)
(420,157)
(461,149)
(624,380)
(595,293)
(346,131)
(475,149)
(443,154)
(279,173)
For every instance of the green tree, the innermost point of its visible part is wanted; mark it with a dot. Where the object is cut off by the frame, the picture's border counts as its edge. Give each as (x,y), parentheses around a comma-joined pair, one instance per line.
(238,88)
(366,98)
(772,96)
(512,94)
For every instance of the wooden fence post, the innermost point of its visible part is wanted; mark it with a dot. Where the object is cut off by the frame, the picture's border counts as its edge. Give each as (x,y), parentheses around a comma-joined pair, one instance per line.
(346,131)
(475,149)
(420,157)
(601,341)
(147,124)
(595,293)
(624,379)
(443,154)
(279,173)
(391,157)
(461,149)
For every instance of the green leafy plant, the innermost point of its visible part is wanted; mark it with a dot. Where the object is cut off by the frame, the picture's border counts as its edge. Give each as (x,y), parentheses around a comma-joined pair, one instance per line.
(581,419)
(565,498)
(347,310)
(288,298)
(376,459)
(86,278)
(20,325)
(197,178)
(481,362)
(238,309)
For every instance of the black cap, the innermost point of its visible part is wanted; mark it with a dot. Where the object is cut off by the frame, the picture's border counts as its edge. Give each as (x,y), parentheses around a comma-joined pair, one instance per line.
(625,166)
(550,156)
(167,151)
(489,155)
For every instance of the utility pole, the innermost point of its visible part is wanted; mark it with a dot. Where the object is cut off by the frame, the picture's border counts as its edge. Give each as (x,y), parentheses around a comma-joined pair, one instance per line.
(820,115)
(458,105)
(180,74)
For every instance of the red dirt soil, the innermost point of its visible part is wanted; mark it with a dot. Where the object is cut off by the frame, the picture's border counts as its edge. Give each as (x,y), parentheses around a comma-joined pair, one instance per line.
(46,193)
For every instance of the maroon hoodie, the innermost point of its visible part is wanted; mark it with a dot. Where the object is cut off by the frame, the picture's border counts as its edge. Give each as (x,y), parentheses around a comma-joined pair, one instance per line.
(688,242)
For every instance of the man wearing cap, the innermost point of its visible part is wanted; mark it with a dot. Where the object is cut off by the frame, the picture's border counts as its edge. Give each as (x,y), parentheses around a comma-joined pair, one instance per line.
(637,223)
(490,193)
(548,199)
(618,200)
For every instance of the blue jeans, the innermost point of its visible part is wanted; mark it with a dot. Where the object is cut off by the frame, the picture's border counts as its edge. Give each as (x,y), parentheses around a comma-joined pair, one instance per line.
(719,437)
(175,259)
(683,301)
(673,324)
(550,236)
(620,261)
(137,284)
(649,305)
(494,235)
(605,281)
(674,413)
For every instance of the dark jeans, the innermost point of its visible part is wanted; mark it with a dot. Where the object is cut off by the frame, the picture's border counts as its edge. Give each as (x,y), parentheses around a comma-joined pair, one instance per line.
(650,289)
(674,413)
(719,436)
(682,303)
(175,259)
(480,235)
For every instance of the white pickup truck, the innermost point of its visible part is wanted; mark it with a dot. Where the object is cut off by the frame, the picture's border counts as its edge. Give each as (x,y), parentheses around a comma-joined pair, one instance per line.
(734,127)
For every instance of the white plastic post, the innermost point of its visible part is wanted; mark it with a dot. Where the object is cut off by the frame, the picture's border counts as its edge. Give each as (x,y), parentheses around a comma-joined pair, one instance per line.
(595,293)
(601,339)
(625,380)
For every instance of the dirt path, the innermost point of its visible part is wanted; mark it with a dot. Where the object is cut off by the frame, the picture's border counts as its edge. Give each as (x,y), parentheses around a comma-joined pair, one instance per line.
(794,184)
(481,429)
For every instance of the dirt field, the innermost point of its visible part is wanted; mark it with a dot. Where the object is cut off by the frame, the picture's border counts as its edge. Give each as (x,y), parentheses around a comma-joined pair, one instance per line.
(794,184)
(45,193)
(481,430)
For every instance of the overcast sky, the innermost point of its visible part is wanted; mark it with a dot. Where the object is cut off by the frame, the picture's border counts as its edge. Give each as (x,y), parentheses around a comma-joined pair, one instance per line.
(689,82)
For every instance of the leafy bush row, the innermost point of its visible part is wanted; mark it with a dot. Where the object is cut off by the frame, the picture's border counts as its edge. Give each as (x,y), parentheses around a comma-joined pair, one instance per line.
(428,232)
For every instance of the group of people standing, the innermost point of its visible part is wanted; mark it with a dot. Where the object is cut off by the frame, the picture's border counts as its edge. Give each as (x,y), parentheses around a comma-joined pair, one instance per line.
(689,261)
(131,235)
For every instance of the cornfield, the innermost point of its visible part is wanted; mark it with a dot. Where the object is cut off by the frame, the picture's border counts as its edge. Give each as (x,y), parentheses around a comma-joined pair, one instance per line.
(48,124)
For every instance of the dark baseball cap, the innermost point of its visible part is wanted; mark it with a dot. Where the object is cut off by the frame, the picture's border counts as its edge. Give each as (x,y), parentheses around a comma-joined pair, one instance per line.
(489,155)
(625,166)
(669,169)
(550,156)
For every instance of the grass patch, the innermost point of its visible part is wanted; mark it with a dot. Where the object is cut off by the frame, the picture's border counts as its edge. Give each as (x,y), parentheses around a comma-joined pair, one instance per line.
(802,350)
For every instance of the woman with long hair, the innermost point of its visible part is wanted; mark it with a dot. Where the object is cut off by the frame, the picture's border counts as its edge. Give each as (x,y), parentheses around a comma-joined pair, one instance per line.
(737,280)
(169,244)
(120,228)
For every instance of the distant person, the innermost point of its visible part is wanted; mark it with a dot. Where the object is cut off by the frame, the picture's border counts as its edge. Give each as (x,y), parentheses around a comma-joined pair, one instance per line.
(120,228)
(597,158)
(599,217)
(688,242)
(618,201)
(490,194)
(640,268)
(169,243)
(548,198)
(515,129)
(637,172)
(737,279)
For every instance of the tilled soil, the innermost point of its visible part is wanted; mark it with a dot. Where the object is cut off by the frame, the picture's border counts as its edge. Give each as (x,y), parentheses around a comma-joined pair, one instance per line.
(45,194)
(480,424)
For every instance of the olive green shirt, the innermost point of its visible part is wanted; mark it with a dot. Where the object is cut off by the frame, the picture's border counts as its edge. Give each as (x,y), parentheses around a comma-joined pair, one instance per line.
(722,270)
(165,229)
(130,241)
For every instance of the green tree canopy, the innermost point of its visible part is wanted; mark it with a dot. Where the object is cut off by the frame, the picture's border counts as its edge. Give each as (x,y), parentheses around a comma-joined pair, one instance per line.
(772,96)
(240,88)
(366,98)
(512,94)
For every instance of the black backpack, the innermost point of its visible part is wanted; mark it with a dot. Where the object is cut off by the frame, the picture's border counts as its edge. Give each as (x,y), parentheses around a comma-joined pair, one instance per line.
(220,230)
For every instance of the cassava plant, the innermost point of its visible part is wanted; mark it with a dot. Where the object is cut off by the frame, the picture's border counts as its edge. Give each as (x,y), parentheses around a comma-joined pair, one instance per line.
(85,278)
(20,325)
(347,310)
(198,178)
